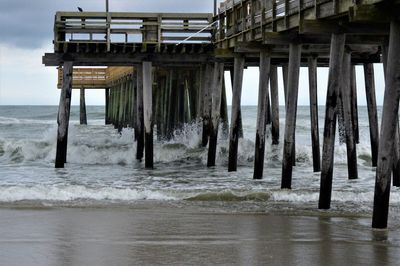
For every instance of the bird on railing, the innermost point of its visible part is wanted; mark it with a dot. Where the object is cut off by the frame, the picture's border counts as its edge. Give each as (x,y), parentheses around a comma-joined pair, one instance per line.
(80,9)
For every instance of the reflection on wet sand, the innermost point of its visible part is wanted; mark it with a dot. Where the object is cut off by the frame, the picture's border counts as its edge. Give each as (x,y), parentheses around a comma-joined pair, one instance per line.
(165,235)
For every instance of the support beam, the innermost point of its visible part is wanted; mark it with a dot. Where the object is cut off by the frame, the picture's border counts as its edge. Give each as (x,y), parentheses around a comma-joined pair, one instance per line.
(372,111)
(108,106)
(354,105)
(216,107)
(140,116)
(207,98)
(240,113)
(347,118)
(82,108)
(236,102)
(388,129)
(148,113)
(263,96)
(291,110)
(274,105)
(313,77)
(334,83)
(63,116)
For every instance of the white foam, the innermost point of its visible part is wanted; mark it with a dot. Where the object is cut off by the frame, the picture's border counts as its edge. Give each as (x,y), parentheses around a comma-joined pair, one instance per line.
(74,192)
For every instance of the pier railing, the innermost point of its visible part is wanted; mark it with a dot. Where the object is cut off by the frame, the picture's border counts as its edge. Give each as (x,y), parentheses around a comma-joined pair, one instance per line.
(249,20)
(95,78)
(121,28)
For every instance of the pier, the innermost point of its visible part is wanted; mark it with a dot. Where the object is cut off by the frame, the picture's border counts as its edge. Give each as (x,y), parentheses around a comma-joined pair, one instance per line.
(163,70)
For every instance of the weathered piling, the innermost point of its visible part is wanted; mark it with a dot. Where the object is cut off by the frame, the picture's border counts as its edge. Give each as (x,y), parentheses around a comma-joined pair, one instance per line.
(63,115)
(82,108)
(345,96)
(140,115)
(240,122)
(107,106)
(207,98)
(372,111)
(312,77)
(216,107)
(236,102)
(388,129)
(148,113)
(291,101)
(354,105)
(263,96)
(334,83)
(396,146)
(274,104)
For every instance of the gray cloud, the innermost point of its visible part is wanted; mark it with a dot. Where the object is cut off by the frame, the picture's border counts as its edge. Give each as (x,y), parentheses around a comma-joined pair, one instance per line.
(29,23)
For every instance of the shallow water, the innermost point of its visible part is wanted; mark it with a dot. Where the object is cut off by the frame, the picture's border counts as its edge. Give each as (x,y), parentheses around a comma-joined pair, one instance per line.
(102,170)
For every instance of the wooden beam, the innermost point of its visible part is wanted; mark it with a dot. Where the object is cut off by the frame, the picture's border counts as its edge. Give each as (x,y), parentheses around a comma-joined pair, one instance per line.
(148,114)
(274,104)
(216,107)
(263,97)
(291,110)
(236,99)
(313,80)
(82,108)
(139,132)
(334,83)
(63,116)
(388,129)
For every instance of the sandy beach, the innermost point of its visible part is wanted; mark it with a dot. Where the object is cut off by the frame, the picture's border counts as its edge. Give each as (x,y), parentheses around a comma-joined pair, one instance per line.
(153,233)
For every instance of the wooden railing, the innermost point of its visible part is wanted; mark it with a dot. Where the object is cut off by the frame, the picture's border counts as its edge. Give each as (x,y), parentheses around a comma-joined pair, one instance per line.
(248,20)
(118,27)
(95,78)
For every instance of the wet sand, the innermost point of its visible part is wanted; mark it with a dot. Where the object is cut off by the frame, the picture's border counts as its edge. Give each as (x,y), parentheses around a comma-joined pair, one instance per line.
(163,234)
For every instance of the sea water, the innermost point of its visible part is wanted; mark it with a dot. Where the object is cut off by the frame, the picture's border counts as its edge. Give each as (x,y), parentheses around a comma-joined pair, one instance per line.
(102,169)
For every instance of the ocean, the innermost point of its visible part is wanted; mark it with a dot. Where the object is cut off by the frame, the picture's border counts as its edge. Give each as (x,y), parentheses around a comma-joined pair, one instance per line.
(102,168)
(102,179)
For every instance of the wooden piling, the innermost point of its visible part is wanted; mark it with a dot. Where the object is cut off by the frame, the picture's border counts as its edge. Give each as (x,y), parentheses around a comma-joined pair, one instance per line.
(207,98)
(82,108)
(140,115)
(388,129)
(334,83)
(216,107)
(236,102)
(346,103)
(372,111)
(107,106)
(290,127)
(240,123)
(274,104)
(148,113)
(285,77)
(396,146)
(354,105)
(63,115)
(263,96)
(312,77)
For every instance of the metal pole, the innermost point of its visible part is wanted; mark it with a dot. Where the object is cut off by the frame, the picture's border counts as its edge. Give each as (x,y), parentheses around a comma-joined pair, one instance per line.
(107,6)
(215,7)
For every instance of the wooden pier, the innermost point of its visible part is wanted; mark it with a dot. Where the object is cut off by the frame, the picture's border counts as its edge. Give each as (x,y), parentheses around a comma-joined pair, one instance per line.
(167,69)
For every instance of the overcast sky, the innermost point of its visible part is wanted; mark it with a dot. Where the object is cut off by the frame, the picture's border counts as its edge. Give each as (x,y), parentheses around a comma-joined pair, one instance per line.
(26,33)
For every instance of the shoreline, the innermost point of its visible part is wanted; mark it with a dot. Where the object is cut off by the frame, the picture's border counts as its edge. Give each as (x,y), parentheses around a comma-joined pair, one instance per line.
(166,234)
